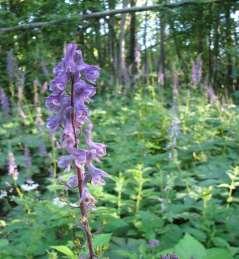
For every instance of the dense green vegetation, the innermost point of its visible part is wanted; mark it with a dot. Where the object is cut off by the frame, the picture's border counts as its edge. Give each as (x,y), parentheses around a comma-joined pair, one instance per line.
(189,199)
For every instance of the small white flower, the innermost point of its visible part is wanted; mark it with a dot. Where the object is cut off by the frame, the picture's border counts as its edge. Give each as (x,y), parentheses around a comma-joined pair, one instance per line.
(29,186)
(3,194)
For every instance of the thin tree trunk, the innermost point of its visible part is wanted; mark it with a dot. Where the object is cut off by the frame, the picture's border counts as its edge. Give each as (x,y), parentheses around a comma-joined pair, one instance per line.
(132,46)
(145,47)
(209,48)
(228,46)
(161,67)
(216,48)
(112,38)
(124,77)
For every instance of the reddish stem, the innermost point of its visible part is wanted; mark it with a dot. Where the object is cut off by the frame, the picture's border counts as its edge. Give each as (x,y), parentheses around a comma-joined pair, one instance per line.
(80,176)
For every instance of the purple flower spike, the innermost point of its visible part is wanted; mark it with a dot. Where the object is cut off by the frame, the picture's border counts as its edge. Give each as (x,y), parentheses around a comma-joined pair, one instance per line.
(71,89)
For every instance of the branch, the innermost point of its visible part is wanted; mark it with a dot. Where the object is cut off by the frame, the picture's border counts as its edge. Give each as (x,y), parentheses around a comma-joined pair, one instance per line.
(157,7)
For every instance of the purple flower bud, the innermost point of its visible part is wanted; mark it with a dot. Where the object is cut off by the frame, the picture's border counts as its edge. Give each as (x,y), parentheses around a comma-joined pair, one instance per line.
(12,167)
(65,161)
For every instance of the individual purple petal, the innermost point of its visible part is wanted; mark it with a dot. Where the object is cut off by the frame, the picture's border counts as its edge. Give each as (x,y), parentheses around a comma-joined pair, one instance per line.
(95,152)
(69,58)
(59,68)
(53,102)
(97,175)
(81,114)
(53,122)
(72,182)
(98,148)
(83,90)
(58,84)
(68,138)
(65,161)
(89,72)
(80,157)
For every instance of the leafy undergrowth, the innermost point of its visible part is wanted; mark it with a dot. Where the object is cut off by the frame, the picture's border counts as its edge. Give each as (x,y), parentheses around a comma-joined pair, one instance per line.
(153,203)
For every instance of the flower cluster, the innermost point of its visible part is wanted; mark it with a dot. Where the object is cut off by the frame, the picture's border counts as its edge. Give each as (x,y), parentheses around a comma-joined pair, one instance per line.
(71,90)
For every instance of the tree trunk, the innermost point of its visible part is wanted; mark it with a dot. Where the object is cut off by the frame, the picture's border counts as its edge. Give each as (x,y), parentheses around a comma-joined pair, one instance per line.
(132,46)
(145,47)
(228,47)
(216,48)
(112,39)
(124,77)
(161,67)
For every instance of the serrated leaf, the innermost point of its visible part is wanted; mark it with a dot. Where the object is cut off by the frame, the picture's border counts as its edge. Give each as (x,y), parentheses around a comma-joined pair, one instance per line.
(101,240)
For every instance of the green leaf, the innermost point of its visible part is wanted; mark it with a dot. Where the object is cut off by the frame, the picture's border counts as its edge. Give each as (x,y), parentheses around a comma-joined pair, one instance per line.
(3,243)
(218,253)
(65,250)
(101,240)
(189,247)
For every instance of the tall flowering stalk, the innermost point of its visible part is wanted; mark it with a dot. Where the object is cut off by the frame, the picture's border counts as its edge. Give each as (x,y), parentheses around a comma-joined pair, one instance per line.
(71,90)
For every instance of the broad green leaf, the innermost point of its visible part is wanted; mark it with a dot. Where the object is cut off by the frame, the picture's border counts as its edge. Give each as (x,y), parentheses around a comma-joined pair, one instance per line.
(189,247)
(218,253)
(101,240)
(65,250)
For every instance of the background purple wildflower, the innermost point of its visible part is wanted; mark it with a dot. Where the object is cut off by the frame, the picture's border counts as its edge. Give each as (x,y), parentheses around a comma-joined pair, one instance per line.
(12,166)
(4,102)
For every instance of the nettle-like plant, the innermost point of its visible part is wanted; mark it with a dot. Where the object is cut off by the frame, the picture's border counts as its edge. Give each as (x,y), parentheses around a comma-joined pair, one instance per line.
(71,89)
